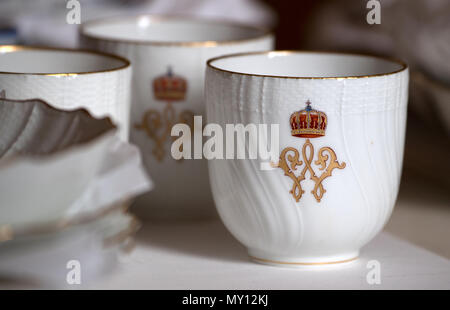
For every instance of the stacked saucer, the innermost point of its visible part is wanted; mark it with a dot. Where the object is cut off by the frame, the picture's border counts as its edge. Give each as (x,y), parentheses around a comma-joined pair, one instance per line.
(66,180)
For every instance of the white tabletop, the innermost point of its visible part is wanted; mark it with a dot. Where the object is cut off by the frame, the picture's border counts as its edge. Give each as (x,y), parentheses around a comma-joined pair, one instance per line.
(204,255)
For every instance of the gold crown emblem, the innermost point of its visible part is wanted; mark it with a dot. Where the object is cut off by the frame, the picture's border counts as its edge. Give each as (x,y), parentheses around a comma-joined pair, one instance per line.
(308,123)
(169,87)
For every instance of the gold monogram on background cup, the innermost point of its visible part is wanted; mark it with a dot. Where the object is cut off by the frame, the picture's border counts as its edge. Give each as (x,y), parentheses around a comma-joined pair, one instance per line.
(169,56)
(69,79)
(341,119)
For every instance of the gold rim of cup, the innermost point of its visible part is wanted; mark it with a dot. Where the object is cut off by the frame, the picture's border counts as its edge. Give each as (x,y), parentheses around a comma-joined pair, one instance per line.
(158,19)
(403,65)
(17,48)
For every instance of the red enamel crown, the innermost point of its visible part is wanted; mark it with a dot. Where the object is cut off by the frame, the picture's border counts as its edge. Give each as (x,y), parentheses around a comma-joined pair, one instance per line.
(308,123)
(169,87)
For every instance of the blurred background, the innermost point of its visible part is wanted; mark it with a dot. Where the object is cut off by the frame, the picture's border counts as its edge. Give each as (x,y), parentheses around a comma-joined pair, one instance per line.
(417,31)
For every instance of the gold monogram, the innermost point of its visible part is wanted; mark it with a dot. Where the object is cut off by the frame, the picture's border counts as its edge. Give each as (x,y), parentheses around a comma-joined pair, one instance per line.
(168,88)
(158,126)
(308,123)
(290,162)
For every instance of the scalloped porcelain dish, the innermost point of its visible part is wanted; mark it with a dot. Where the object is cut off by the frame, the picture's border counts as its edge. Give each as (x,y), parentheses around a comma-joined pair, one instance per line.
(59,167)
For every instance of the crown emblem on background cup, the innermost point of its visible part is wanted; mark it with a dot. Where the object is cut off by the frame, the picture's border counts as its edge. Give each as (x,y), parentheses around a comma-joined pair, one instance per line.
(308,123)
(169,87)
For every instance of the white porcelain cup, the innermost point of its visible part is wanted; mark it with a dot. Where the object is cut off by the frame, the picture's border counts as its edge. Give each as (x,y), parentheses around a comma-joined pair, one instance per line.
(341,124)
(68,79)
(169,57)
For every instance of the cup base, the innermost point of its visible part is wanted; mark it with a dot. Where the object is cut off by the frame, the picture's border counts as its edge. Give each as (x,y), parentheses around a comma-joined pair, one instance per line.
(298,262)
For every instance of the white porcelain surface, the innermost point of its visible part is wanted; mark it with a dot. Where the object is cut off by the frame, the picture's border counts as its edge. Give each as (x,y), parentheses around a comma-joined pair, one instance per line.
(57,165)
(68,79)
(366,119)
(43,258)
(153,44)
(169,30)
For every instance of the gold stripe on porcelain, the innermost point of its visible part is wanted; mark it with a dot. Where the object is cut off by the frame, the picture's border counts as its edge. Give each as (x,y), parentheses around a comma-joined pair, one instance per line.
(17,48)
(301,263)
(7,232)
(209,64)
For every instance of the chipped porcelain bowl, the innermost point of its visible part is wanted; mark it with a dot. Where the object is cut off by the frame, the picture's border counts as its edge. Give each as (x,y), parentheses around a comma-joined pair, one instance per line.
(69,79)
(60,166)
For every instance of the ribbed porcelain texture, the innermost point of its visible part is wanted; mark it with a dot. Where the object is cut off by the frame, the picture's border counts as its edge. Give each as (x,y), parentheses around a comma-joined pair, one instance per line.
(102,93)
(366,129)
(182,188)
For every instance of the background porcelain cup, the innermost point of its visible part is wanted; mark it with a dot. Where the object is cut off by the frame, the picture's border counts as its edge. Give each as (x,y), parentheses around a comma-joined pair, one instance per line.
(68,79)
(341,123)
(169,57)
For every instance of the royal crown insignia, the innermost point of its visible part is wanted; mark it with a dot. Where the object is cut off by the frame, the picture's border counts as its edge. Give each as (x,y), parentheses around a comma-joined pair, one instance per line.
(308,123)
(168,88)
